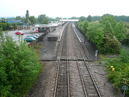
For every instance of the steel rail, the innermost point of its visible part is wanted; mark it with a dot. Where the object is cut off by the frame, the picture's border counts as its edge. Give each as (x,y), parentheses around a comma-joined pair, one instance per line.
(61,45)
(87,68)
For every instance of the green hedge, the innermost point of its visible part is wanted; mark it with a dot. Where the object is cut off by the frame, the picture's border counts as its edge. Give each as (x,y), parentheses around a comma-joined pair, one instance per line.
(19,68)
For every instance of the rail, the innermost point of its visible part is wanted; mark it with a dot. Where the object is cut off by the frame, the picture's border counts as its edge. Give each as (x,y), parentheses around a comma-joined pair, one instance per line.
(62,85)
(86,77)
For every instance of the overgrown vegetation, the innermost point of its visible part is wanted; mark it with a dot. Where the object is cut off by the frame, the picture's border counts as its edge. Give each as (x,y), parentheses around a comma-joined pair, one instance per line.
(6,26)
(19,68)
(107,33)
(118,70)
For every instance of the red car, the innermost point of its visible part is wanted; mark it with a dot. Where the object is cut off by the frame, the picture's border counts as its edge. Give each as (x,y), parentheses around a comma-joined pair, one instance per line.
(37,31)
(19,33)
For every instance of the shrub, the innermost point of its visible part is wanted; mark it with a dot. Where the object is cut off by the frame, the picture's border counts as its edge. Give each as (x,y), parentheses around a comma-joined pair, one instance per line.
(120,31)
(126,40)
(19,68)
(82,25)
(95,33)
(105,42)
(124,56)
(120,76)
(110,45)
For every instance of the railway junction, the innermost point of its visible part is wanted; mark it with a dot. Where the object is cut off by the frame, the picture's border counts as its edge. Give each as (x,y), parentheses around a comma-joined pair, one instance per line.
(70,69)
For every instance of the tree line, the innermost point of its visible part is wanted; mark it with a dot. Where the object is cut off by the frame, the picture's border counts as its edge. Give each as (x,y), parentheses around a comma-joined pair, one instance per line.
(107,33)
(27,20)
(97,18)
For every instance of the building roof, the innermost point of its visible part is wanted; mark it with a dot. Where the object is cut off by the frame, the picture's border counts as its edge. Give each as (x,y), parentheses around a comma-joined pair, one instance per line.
(11,21)
(14,21)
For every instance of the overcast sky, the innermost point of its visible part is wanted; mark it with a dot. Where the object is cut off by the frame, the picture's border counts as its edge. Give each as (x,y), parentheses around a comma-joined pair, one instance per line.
(63,8)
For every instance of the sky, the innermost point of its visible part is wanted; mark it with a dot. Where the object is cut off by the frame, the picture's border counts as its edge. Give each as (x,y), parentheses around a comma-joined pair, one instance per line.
(63,8)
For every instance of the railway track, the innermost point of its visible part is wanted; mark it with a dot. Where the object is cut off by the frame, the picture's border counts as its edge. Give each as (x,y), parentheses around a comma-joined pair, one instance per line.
(90,87)
(62,77)
(63,81)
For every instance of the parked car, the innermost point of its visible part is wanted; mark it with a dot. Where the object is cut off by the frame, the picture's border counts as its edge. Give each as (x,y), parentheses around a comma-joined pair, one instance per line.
(33,36)
(19,33)
(29,39)
(37,35)
(36,31)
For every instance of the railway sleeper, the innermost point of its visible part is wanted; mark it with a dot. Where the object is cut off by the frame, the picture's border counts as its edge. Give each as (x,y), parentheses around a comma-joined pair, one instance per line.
(75,59)
(93,95)
(68,59)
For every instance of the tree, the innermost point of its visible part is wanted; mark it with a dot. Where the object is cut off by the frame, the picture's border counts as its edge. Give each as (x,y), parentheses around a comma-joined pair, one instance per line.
(74,17)
(96,18)
(27,21)
(3,20)
(32,19)
(113,27)
(83,25)
(122,18)
(120,31)
(95,33)
(89,18)
(82,18)
(57,18)
(18,18)
(22,19)
(43,19)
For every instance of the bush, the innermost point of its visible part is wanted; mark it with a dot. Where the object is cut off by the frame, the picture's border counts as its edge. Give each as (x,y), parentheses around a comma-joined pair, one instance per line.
(82,25)
(110,45)
(126,40)
(120,31)
(95,33)
(19,68)
(124,56)
(120,76)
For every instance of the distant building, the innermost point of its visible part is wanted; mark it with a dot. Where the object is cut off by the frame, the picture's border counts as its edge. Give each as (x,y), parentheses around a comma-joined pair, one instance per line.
(14,21)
